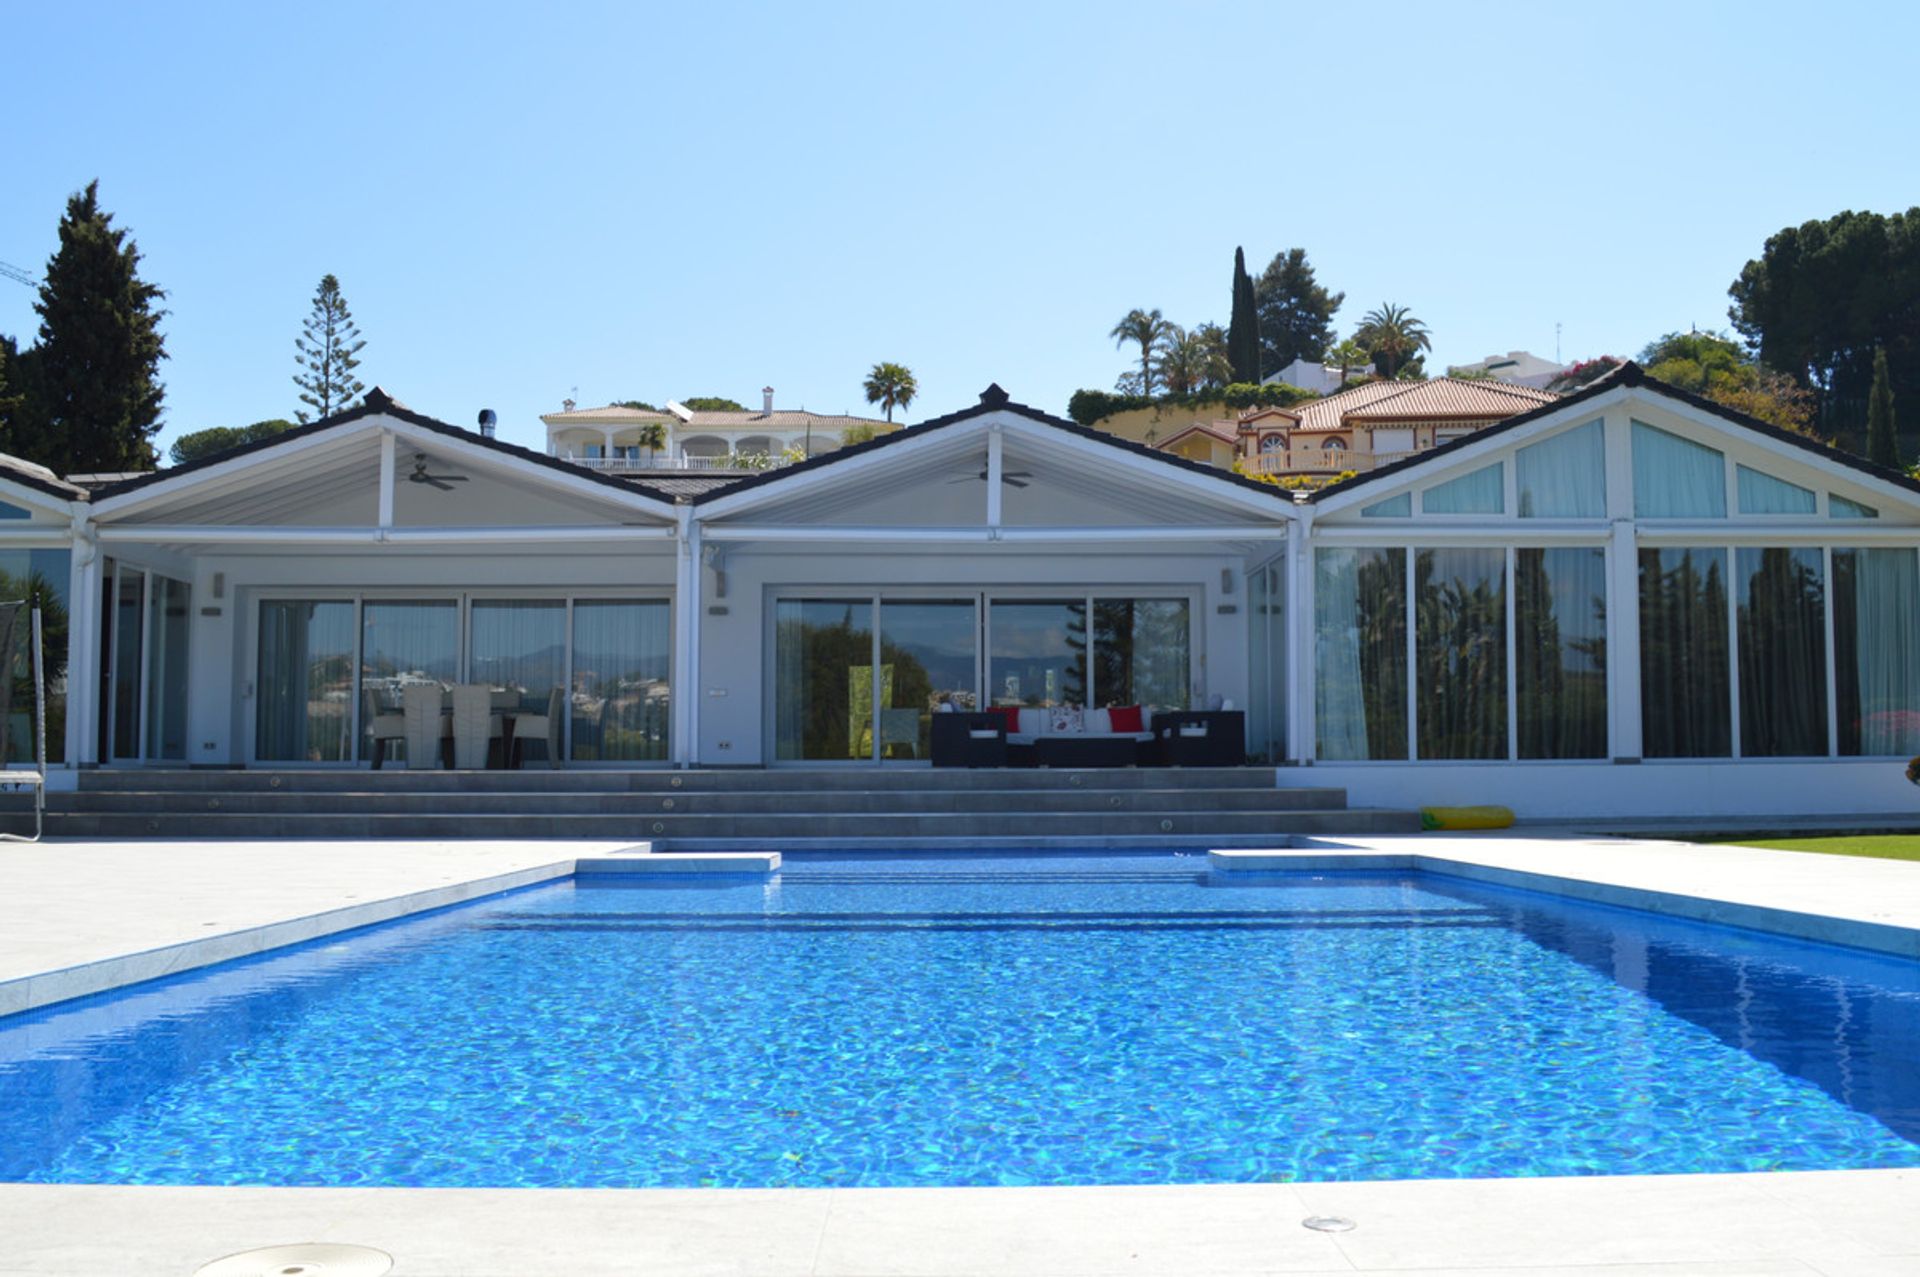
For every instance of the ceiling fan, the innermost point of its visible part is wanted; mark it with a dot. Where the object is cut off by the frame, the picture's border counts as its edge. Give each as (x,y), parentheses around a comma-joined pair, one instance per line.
(1012,478)
(444,482)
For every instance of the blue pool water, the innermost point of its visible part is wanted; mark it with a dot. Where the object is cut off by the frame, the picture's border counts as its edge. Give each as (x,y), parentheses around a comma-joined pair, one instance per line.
(1031,1020)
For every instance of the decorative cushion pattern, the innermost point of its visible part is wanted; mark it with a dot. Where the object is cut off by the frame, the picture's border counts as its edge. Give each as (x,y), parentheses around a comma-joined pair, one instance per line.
(1066,718)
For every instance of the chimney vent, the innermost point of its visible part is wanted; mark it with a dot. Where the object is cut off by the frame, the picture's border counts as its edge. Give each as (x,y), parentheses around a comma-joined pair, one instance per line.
(487,423)
(766,400)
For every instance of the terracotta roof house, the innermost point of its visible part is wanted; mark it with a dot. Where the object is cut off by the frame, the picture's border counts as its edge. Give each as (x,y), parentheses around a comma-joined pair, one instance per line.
(1375,424)
(613,439)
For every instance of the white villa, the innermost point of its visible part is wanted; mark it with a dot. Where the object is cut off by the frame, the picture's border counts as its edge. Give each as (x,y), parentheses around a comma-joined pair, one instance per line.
(1627,601)
(615,438)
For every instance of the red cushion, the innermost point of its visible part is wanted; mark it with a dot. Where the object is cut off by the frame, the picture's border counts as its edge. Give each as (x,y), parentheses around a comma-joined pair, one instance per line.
(1009,716)
(1126,718)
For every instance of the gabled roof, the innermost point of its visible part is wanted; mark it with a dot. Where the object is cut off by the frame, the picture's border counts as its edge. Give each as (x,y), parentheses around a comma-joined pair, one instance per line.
(378,402)
(30,474)
(992,399)
(1197,428)
(1437,399)
(1628,374)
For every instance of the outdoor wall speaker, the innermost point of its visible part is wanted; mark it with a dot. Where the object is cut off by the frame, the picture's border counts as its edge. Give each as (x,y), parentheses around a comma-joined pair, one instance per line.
(1226,580)
(219,585)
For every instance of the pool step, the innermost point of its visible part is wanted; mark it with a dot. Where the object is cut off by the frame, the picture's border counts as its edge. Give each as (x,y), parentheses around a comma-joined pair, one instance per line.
(764,830)
(700,802)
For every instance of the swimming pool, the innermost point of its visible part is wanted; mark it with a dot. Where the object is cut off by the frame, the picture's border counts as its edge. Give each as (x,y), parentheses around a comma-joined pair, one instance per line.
(926,1020)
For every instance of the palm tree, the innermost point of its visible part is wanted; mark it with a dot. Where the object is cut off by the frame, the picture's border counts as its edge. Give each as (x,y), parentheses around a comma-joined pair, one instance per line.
(892,385)
(1392,336)
(653,437)
(1347,356)
(1193,361)
(1150,330)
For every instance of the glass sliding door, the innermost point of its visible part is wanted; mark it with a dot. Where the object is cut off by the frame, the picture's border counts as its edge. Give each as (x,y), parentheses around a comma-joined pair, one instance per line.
(619,699)
(129,606)
(166,643)
(823,680)
(1460,652)
(1685,684)
(1140,652)
(1267,662)
(1039,652)
(929,655)
(1560,651)
(304,690)
(1782,612)
(520,646)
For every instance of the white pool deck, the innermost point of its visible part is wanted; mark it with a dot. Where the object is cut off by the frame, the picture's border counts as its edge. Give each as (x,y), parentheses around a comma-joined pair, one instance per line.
(75,915)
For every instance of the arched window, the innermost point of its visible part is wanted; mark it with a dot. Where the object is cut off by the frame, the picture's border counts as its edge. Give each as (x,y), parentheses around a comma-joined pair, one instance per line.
(1335,445)
(1273,443)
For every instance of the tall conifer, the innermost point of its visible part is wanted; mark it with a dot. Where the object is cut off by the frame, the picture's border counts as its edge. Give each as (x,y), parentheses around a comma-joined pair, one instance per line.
(1883,444)
(1243,332)
(94,397)
(327,351)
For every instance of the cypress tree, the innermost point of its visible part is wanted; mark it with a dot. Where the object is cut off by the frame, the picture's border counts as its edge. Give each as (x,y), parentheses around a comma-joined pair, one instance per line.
(1243,333)
(1883,446)
(327,351)
(94,398)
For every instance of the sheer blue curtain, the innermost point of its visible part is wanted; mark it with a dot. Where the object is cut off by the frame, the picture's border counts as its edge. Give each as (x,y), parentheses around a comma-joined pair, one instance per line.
(1399,507)
(621,661)
(1560,651)
(1675,478)
(1876,642)
(1764,494)
(1564,477)
(1460,652)
(1360,653)
(1481,492)
(1781,599)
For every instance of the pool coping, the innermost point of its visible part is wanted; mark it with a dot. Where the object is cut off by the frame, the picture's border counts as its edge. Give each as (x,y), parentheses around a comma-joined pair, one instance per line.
(1857,933)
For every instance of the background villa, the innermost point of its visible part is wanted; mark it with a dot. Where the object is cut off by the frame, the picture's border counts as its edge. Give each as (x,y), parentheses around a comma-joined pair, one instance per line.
(615,439)
(1628,600)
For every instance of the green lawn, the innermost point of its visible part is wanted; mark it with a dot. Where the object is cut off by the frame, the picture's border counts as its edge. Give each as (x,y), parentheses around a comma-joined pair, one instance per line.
(1884,846)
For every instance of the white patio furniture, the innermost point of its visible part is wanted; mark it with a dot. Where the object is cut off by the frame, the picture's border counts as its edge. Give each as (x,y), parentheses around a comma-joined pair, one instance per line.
(427,725)
(476,725)
(541,727)
(383,727)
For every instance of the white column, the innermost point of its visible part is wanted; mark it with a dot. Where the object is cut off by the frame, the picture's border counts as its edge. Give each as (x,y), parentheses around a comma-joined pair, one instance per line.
(1623,593)
(386,478)
(686,570)
(995,469)
(696,694)
(83,646)
(1299,602)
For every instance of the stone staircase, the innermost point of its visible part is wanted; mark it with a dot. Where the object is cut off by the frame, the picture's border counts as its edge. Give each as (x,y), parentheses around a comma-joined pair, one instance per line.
(719,809)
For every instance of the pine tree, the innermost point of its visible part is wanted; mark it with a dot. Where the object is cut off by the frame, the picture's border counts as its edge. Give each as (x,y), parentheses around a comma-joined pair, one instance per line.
(93,402)
(1883,445)
(328,351)
(1243,332)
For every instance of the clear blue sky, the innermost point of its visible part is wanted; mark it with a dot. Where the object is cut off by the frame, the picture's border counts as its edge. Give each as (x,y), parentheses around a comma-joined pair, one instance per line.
(661,201)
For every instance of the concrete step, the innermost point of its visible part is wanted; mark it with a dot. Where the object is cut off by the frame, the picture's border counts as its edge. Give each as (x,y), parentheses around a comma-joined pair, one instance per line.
(697,802)
(763,830)
(711,780)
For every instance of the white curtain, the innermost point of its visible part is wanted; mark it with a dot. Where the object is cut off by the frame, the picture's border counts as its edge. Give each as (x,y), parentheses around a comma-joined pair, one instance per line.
(1675,478)
(1481,492)
(519,645)
(1882,716)
(1764,494)
(1338,711)
(1564,477)
(1399,507)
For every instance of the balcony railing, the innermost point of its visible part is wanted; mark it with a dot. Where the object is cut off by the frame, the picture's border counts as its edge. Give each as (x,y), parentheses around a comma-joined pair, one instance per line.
(662,461)
(1321,461)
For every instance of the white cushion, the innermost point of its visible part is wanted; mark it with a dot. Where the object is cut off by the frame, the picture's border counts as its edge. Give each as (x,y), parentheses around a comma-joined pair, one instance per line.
(1066,718)
(1033,721)
(1098,722)
(984,733)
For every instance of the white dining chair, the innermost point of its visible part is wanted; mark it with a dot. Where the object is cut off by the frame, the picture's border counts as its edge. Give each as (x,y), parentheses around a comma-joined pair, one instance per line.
(541,727)
(422,705)
(382,726)
(476,724)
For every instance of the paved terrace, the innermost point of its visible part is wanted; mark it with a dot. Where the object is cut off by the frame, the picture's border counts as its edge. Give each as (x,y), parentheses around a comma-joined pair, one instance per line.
(75,914)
